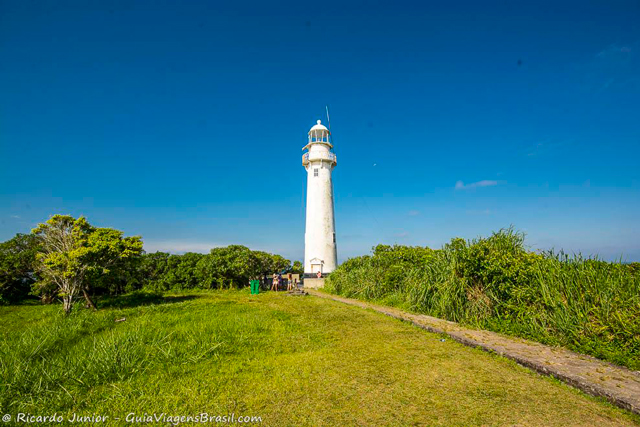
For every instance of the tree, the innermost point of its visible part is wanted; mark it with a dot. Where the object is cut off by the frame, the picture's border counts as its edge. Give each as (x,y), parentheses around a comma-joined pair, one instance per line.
(17,258)
(235,265)
(172,271)
(280,263)
(110,259)
(232,265)
(152,269)
(63,246)
(125,276)
(297,267)
(184,275)
(74,255)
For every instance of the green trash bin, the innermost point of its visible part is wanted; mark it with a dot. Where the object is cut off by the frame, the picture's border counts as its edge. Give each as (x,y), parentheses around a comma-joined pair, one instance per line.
(255,287)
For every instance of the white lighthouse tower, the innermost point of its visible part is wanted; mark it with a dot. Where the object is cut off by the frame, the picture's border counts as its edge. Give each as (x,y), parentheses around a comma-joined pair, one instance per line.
(320,254)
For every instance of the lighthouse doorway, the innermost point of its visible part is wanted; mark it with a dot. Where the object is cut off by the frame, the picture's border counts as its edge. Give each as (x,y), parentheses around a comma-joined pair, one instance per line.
(316,266)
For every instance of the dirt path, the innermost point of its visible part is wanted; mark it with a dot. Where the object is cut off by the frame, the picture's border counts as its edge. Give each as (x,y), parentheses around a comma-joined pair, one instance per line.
(619,385)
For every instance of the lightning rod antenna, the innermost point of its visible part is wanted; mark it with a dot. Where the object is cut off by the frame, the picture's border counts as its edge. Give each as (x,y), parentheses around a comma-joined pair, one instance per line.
(329,121)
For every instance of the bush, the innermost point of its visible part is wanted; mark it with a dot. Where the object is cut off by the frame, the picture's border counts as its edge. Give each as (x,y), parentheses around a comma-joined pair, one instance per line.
(17,257)
(231,266)
(587,305)
(228,267)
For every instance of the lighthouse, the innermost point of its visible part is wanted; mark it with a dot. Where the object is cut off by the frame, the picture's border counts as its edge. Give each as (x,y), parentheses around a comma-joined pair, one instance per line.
(320,255)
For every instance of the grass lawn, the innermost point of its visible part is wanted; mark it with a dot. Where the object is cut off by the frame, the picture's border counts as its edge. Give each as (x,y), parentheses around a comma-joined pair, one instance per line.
(290,360)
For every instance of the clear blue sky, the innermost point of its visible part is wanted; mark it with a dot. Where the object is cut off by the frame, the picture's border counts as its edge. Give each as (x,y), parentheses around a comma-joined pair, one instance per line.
(184,121)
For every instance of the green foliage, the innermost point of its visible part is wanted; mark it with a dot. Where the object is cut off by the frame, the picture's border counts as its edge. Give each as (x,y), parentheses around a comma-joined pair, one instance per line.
(233,267)
(66,257)
(152,268)
(269,264)
(297,267)
(112,259)
(62,260)
(228,267)
(162,271)
(17,257)
(587,305)
(76,257)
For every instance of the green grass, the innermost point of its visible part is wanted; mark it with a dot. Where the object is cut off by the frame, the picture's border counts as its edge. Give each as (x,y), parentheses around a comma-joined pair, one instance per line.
(290,360)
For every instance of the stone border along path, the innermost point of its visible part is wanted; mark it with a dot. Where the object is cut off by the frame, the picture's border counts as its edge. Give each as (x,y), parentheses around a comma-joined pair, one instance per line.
(618,385)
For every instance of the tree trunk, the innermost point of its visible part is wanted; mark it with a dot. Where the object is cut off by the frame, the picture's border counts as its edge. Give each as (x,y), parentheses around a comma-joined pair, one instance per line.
(90,303)
(67,304)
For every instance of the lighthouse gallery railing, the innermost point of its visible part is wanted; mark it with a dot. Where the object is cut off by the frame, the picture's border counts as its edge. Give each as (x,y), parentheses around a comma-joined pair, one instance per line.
(317,156)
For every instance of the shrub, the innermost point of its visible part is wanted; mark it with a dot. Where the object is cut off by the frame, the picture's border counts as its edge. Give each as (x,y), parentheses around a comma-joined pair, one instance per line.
(17,257)
(585,304)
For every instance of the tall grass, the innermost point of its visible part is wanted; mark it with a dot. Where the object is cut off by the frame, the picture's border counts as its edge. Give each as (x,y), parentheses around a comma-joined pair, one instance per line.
(584,304)
(52,361)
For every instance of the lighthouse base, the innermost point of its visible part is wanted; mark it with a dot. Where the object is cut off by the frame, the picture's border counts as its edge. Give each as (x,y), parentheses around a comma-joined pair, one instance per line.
(313,283)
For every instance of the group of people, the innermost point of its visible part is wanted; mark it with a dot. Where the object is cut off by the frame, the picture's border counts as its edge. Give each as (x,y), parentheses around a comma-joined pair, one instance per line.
(292,283)
(277,279)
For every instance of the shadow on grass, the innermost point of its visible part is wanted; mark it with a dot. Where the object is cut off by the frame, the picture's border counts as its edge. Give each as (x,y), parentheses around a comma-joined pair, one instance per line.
(26,301)
(137,299)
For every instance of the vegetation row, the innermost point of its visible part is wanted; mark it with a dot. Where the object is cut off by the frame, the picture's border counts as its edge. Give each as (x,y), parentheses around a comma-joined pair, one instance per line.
(68,259)
(585,304)
(495,283)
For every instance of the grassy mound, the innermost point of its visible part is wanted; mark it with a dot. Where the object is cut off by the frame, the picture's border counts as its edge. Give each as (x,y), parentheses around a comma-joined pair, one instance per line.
(289,360)
(587,305)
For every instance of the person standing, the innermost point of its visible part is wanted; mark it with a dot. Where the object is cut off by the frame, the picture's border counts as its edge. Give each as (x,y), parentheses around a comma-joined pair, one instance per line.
(274,283)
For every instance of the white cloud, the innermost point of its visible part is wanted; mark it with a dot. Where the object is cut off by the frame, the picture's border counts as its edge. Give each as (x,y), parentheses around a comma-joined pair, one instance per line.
(484,183)
(413,213)
(615,51)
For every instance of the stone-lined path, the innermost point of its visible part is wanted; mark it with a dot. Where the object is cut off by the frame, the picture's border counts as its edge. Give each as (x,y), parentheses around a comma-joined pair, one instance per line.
(619,385)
